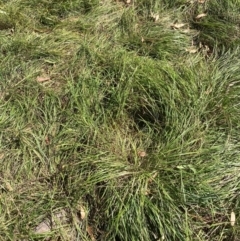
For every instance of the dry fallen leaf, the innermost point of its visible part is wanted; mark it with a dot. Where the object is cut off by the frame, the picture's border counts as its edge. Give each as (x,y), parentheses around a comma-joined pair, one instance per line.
(8,186)
(43,227)
(155,16)
(142,153)
(47,140)
(199,16)
(82,213)
(178,25)
(201,1)
(3,12)
(41,79)
(58,219)
(232,219)
(186,30)
(192,50)
(151,179)
(91,232)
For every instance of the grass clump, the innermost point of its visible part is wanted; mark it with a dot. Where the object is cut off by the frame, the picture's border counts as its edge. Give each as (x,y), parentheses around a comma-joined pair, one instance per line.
(119,121)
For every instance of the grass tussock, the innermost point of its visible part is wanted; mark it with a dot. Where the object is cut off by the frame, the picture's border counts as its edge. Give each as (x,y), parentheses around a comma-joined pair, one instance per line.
(119,120)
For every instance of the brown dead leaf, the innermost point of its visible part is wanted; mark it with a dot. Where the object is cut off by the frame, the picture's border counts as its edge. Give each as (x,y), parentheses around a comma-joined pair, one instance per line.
(232,219)
(201,1)
(142,153)
(47,140)
(153,176)
(82,213)
(90,232)
(192,50)
(186,30)
(178,25)
(151,179)
(155,17)
(41,79)
(58,219)
(43,227)
(199,16)
(208,91)
(8,186)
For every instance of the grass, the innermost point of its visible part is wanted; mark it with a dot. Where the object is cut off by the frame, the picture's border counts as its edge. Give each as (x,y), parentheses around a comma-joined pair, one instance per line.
(119,121)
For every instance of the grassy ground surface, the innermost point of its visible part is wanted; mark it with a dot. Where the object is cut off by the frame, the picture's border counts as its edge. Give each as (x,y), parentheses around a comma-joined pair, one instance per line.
(120,121)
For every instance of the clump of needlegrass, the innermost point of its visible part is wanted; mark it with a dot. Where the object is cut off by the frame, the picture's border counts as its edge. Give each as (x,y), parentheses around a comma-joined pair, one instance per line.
(219,25)
(111,128)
